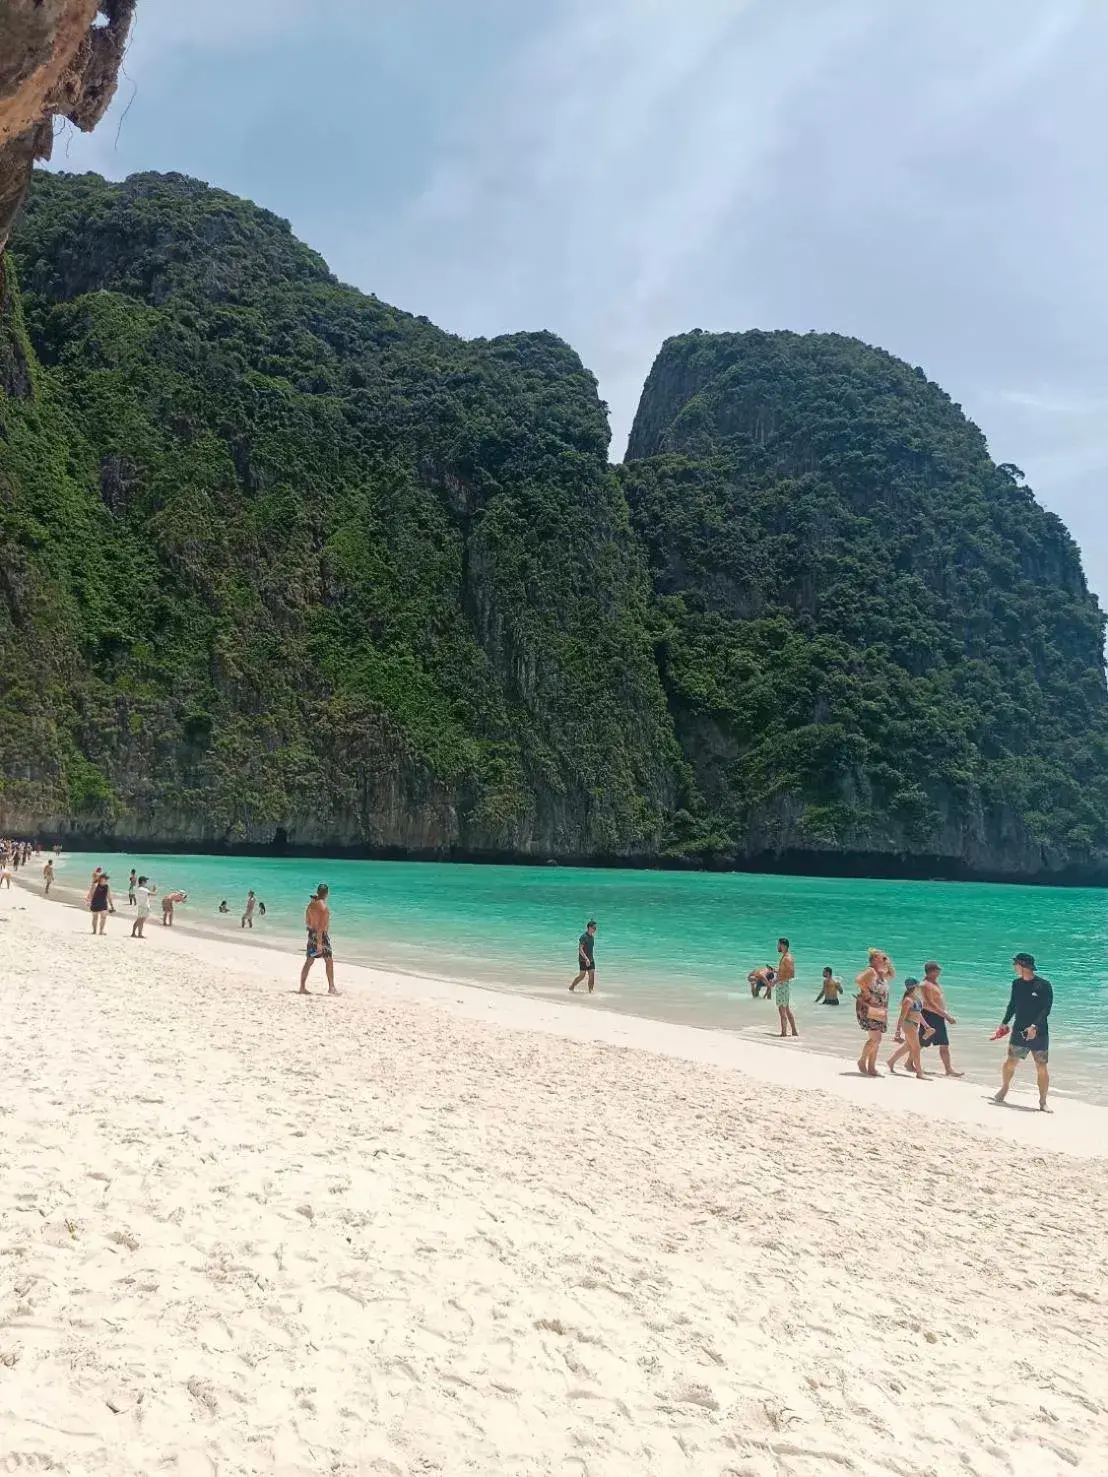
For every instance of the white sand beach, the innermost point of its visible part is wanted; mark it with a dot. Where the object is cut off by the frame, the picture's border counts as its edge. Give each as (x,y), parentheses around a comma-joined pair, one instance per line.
(425,1229)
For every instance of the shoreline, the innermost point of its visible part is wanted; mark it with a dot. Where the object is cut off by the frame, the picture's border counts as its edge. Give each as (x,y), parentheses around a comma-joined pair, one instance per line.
(1075,1127)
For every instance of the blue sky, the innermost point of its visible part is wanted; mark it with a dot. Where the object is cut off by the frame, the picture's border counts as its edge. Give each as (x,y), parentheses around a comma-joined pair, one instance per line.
(930,177)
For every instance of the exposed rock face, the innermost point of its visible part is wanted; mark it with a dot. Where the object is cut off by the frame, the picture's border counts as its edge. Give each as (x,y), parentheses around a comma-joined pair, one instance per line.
(58,59)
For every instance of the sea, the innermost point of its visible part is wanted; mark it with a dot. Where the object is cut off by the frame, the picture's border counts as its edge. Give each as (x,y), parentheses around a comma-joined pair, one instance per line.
(677,946)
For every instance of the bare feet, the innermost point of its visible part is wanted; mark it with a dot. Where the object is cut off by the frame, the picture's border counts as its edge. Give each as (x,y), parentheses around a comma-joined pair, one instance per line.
(1044,1109)
(332,990)
(891,1067)
(952,1073)
(572,988)
(873,1072)
(863,1069)
(304,990)
(999,1098)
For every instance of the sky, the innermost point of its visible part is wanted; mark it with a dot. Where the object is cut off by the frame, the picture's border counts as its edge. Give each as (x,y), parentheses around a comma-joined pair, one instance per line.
(930,177)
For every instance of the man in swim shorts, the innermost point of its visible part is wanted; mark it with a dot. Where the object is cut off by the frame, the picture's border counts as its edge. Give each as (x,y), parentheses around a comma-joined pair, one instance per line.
(1029,1007)
(936,1016)
(586,964)
(782,987)
(317,920)
(761,980)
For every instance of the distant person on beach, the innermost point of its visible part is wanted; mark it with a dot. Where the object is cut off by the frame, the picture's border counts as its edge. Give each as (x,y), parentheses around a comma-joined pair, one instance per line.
(586,963)
(248,913)
(317,920)
(1028,1013)
(936,1015)
(910,1026)
(6,873)
(132,882)
(782,988)
(100,902)
(761,980)
(169,902)
(261,909)
(223,907)
(144,891)
(48,877)
(873,1008)
(831,988)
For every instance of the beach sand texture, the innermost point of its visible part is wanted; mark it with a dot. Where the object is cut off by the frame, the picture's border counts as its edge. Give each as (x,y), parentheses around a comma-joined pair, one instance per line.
(241,1232)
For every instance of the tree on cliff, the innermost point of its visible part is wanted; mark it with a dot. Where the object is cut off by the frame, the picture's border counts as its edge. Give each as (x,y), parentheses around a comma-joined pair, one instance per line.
(276,557)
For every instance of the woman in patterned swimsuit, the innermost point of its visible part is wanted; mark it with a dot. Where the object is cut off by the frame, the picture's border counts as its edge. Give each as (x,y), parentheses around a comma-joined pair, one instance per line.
(873,1008)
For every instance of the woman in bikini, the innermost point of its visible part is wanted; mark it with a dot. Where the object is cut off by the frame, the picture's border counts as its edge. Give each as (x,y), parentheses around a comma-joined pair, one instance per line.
(873,1008)
(909,1026)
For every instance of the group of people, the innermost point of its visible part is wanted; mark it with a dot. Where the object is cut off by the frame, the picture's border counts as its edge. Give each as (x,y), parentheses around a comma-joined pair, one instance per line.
(140,890)
(923,1019)
(13,855)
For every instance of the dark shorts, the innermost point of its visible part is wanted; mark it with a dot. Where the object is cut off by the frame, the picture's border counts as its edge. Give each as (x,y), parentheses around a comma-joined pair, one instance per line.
(98,907)
(586,966)
(1039,1048)
(938,1025)
(829,1002)
(319,944)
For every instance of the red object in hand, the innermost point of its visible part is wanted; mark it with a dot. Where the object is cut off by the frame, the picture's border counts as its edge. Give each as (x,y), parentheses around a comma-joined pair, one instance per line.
(1000,1033)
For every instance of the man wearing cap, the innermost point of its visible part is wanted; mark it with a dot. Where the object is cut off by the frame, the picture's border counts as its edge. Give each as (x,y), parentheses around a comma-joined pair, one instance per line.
(1029,1014)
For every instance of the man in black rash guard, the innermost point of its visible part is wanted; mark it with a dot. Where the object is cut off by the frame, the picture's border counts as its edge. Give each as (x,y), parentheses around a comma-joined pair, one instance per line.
(1029,1014)
(586,965)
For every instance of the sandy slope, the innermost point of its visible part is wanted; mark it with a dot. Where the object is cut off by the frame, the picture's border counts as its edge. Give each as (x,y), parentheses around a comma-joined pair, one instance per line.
(425,1230)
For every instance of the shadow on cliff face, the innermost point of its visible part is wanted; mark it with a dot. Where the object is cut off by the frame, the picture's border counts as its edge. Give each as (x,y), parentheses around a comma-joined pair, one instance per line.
(58,59)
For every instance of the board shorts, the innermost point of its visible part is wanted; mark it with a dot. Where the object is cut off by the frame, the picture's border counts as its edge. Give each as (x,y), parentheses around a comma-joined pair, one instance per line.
(938,1025)
(1039,1048)
(782,994)
(830,1002)
(319,944)
(585,966)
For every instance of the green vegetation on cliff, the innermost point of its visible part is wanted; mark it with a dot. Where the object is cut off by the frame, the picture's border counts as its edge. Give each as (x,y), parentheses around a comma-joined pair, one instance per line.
(869,634)
(276,557)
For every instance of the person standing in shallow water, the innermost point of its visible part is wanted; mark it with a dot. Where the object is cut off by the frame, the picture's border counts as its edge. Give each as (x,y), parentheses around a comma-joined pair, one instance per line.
(782,988)
(248,913)
(936,1016)
(317,920)
(1029,1007)
(48,877)
(586,962)
(830,989)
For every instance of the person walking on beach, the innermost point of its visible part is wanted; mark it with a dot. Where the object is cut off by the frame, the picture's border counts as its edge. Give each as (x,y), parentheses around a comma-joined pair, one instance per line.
(132,882)
(47,877)
(248,913)
(782,988)
(936,1015)
(831,988)
(909,1028)
(144,891)
(873,1008)
(586,963)
(317,920)
(100,902)
(1029,1007)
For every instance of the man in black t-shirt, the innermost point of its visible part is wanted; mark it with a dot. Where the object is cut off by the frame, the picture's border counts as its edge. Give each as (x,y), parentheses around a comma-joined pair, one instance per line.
(1028,1013)
(585,963)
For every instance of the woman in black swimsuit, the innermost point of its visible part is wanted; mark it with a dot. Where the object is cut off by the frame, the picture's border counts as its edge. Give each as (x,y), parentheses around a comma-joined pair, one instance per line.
(100,902)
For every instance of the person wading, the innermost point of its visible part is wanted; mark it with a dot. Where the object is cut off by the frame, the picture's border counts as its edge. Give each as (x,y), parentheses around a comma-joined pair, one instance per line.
(586,964)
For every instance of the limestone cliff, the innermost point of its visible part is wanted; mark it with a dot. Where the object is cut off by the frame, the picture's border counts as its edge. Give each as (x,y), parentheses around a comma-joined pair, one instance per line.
(58,59)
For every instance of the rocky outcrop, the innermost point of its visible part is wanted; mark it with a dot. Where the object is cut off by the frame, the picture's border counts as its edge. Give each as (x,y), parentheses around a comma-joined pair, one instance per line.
(58,59)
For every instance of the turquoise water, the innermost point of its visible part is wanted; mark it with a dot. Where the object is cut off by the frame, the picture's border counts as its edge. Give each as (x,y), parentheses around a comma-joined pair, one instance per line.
(677,946)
